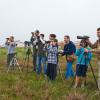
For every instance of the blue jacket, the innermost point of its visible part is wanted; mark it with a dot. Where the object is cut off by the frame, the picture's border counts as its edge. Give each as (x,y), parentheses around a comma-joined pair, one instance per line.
(82,59)
(69,49)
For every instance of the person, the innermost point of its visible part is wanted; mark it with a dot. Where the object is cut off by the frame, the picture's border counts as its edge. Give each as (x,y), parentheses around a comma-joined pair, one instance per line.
(84,57)
(96,47)
(33,40)
(41,54)
(69,51)
(52,52)
(10,45)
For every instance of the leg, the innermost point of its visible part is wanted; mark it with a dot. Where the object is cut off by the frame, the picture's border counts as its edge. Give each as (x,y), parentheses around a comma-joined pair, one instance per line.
(48,71)
(68,69)
(39,64)
(44,64)
(8,59)
(78,75)
(12,56)
(72,72)
(77,80)
(54,72)
(84,70)
(34,61)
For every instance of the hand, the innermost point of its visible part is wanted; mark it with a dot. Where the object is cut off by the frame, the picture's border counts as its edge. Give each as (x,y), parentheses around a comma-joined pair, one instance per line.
(88,41)
(86,50)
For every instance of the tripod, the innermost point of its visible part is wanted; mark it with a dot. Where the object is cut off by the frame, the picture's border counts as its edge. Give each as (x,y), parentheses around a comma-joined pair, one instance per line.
(27,58)
(59,70)
(14,63)
(86,56)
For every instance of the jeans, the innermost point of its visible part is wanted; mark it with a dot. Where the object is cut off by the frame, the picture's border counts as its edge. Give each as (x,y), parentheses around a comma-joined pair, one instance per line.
(41,60)
(69,71)
(34,61)
(9,58)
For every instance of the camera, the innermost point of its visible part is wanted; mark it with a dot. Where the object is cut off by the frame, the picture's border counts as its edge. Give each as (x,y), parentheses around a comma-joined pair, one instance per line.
(27,47)
(83,42)
(83,37)
(7,38)
(27,43)
(47,42)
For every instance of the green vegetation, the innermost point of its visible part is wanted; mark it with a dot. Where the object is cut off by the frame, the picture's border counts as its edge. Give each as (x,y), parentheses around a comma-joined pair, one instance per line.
(29,86)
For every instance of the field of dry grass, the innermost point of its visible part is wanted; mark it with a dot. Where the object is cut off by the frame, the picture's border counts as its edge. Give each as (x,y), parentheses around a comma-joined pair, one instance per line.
(29,86)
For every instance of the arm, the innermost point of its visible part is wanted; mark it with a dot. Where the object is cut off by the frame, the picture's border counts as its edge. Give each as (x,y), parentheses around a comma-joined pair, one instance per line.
(43,42)
(7,44)
(78,52)
(64,52)
(53,50)
(33,40)
(71,49)
(93,46)
(96,51)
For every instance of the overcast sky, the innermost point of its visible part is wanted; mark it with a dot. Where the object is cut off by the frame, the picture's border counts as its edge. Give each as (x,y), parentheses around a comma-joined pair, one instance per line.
(71,17)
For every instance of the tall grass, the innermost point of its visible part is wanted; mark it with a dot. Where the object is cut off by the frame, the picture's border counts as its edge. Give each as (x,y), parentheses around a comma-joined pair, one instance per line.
(30,86)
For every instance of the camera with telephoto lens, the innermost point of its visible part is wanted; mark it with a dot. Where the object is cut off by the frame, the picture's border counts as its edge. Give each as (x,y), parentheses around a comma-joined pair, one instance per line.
(83,37)
(83,42)
(47,42)
(27,43)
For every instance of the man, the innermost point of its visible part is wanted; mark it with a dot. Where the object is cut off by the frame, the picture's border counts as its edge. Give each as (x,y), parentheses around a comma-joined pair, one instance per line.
(96,47)
(69,51)
(33,40)
(41,54)
(10,45)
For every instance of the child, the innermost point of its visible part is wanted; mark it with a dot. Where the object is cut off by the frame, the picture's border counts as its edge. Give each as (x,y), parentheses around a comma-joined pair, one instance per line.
(10,45)
(84,57)
(52,52)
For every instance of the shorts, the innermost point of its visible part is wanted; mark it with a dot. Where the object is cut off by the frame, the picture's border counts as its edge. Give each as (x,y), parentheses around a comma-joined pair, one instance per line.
(81,70)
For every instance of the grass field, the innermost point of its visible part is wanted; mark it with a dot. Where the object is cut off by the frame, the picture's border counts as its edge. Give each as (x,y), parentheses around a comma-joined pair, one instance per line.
(29,86)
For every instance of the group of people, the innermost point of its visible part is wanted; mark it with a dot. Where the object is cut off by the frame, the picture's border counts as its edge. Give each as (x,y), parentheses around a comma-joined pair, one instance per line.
(46,53)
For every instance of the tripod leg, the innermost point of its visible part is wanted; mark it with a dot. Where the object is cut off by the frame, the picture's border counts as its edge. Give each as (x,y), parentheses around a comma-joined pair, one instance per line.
(94,76)
(58,69)
(28,59)
(8,68)
(14,63)
(11,62)
(99,75)
(24,62)
(18,65)
(60,72)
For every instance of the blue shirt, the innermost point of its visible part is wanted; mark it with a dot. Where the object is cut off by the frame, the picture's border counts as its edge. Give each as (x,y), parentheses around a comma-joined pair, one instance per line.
(11,47)
(82,59)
